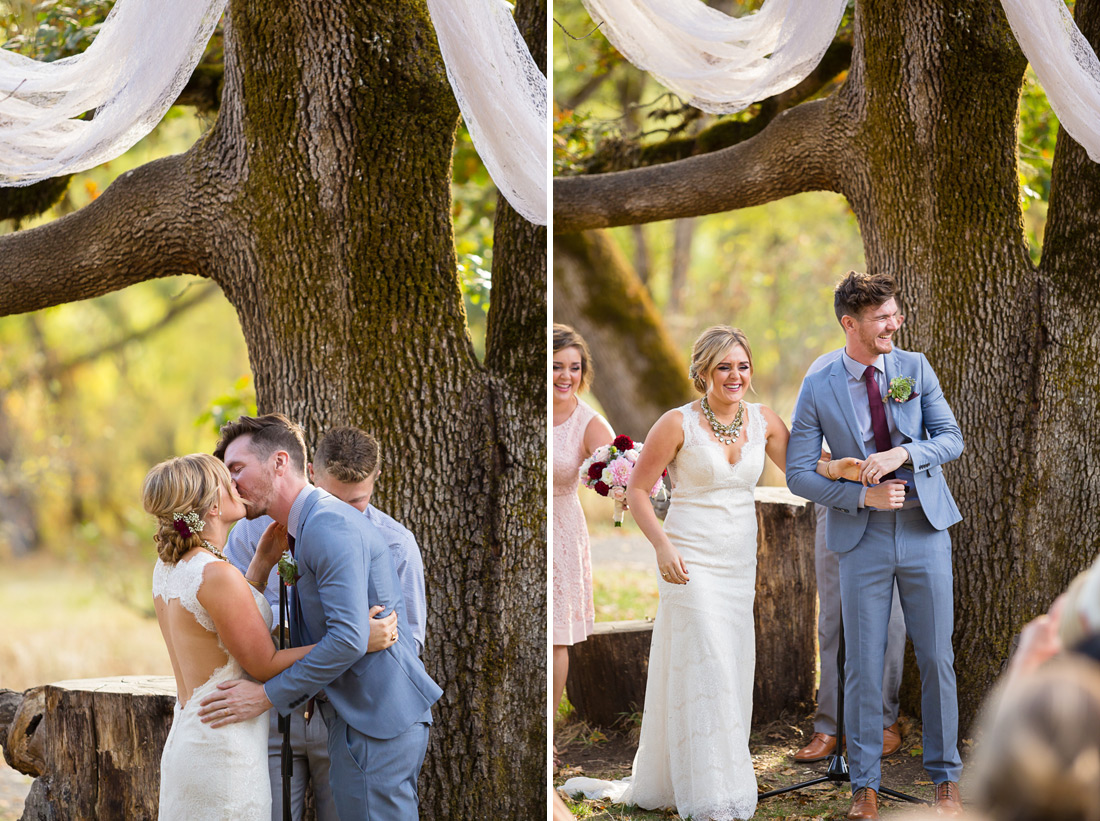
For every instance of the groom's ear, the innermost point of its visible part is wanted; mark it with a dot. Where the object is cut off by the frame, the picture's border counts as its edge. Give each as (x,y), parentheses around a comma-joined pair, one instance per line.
(282,460)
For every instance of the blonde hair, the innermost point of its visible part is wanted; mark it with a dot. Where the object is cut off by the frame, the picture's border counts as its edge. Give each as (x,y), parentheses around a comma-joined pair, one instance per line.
(181,485)
(566,337)
(1039,759)
(709,349)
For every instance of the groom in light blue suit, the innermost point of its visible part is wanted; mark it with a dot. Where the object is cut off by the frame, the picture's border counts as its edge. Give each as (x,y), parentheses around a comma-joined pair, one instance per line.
(885,406)
(376,706)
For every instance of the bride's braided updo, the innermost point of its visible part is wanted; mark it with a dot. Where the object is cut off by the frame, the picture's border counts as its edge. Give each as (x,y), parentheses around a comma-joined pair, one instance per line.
(182,485)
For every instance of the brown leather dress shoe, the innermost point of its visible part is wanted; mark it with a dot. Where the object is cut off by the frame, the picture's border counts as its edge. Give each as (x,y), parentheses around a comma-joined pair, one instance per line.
(891,740)
(864,804)
(948,801)
(820,746)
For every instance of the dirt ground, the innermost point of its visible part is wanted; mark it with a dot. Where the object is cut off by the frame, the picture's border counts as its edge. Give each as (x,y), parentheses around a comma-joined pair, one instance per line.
(608,754)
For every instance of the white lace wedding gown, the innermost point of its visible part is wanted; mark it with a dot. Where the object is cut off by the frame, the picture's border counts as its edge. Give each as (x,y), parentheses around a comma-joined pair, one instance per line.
(210,774)
(694,750)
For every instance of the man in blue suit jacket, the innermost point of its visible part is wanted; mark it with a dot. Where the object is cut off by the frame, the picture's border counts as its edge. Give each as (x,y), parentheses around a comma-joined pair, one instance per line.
(377,706)
(885,406)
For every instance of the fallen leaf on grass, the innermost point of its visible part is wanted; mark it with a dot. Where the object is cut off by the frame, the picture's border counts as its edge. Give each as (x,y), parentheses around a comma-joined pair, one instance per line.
(916,751)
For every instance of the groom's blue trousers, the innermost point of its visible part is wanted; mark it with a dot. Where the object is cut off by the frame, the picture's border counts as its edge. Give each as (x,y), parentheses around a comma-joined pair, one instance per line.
(899,545)
(374,779)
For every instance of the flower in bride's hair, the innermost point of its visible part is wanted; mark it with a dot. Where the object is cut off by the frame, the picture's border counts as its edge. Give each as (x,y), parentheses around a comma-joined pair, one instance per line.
(187,524)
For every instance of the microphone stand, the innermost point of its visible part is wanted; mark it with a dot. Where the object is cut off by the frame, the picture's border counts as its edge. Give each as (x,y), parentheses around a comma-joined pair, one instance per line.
(284,721)
(838,767)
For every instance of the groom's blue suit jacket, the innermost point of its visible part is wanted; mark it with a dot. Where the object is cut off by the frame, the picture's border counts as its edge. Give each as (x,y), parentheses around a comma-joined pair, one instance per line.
(346,568)
(931,435)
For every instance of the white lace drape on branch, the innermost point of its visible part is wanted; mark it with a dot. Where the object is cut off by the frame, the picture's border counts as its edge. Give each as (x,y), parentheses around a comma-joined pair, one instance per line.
(1065,64)
(716,62)
(502,95)
(130,75)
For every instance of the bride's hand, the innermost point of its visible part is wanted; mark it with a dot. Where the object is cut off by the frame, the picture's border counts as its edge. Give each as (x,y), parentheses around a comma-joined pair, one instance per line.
(272,544)
(671,564)
(846,468)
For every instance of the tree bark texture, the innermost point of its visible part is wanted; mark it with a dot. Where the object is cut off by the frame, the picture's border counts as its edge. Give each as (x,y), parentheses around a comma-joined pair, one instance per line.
(921,140)
(607,672)
(638,372)
(100,741)
(320,203)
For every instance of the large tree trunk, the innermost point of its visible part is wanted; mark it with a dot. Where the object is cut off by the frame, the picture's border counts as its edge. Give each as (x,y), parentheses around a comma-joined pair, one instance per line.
(320,203)
(935,187)
(921,139)
(639,374)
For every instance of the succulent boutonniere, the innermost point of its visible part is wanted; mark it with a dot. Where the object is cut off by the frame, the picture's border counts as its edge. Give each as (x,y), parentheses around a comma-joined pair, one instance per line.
(901,389)
(288,568)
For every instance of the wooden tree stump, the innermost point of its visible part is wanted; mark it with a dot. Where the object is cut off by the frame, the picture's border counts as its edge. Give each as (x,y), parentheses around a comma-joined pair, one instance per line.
(100,743)
(785,613)
(607,673)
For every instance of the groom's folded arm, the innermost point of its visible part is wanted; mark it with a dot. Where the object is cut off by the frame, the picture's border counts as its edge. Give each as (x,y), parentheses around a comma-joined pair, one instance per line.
(803,451)
(945,441)
(342,572)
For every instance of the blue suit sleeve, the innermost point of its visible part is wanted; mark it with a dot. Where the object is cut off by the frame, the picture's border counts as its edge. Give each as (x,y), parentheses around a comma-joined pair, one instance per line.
(339,561)
(803,451)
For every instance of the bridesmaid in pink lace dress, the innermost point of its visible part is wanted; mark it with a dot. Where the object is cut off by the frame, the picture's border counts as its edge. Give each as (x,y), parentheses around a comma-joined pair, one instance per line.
(578,431)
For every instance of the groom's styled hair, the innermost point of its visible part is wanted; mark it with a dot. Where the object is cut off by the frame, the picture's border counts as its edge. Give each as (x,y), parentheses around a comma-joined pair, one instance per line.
(270,432)
(857,292)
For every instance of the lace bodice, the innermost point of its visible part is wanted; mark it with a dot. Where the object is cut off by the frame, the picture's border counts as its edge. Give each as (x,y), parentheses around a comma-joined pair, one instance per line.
(701,467)
(183,580)
(569,449)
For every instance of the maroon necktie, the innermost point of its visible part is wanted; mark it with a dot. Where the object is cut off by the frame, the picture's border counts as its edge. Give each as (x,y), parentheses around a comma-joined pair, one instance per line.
(878,416)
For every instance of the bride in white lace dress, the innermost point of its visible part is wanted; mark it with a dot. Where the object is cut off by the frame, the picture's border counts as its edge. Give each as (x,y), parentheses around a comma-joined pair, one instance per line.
(693,755)
(217,628)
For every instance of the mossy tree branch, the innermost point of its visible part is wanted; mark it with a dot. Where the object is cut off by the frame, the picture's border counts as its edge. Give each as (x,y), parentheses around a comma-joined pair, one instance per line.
(138,229)
(799,151)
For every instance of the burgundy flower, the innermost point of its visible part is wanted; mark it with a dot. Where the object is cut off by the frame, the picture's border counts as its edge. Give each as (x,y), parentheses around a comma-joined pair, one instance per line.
(601,488)
(623,442)
(596,469)
(181,527)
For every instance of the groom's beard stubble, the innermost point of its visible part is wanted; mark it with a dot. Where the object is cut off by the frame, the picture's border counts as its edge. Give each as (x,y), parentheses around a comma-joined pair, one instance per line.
(258,503)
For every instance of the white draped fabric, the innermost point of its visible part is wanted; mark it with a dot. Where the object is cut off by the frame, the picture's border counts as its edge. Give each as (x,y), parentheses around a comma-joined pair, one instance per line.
(1065,64)
(502,95)
(716,62)
(146,50)
(129,76)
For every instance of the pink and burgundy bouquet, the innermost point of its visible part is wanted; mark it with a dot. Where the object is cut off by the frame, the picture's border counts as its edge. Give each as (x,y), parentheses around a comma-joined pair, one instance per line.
(608,470)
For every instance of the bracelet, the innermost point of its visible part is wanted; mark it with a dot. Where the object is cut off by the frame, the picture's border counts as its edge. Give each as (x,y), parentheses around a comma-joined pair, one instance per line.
(829,470)
(258,585)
